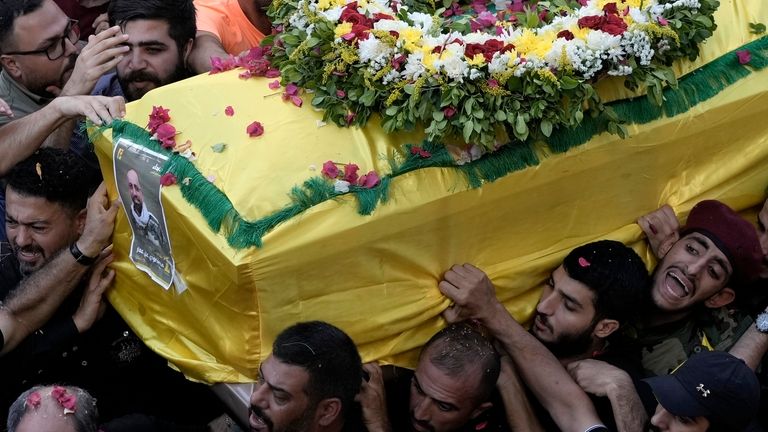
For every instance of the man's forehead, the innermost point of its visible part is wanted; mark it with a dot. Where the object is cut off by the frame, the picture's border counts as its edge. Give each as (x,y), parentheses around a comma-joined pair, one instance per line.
(453,388)
(46,22)
(147,30)
(284,375)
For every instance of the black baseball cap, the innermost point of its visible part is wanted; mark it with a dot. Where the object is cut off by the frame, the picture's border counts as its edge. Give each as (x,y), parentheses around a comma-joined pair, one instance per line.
(711,384)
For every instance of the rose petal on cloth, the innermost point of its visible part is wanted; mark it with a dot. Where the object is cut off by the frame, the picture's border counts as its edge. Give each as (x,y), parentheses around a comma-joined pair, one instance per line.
(168,179)
(229,111)
(297,101)
(350,172)
(158,116)
(166,134)
(274,85)
(744,56)
(369,180)
(272,73)
(255,129)
(330,170)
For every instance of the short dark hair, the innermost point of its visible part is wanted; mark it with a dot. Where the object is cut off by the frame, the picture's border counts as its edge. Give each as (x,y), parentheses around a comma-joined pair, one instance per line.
(9,11)
(59,176)
(460,349)
(330,357)
(85,416)
(179,14)
(616,275)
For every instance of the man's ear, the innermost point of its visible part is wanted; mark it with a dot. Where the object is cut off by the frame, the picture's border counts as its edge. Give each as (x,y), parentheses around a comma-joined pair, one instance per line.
(605,327)
(10,66)
(723,297)
(481,409)
(328,410)
(80,221)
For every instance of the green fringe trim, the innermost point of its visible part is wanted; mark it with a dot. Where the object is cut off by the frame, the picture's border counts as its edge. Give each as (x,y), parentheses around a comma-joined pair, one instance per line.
(694,88)
(221,216)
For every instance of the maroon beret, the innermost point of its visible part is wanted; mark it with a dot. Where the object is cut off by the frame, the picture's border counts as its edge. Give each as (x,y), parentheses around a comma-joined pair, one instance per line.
(733,235)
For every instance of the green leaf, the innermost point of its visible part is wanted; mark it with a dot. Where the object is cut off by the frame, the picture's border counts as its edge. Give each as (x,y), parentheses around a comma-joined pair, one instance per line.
(467,132)
(568,83)
(438,115)
(391,110)
(520,127)
(501,115)
(546,127)
(218,148)
(756,28)
(312,42)
(703,19)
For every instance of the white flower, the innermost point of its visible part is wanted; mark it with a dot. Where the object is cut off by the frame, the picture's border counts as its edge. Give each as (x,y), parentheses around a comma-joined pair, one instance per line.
(498,63)
(413,66)
(421,20)
(638,16)
(599,40)
(390,25)
(452,62)
(341,186)
(333,14)
(372,49)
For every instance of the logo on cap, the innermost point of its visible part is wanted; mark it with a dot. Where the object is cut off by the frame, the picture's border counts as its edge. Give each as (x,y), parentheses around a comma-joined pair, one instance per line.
(704,392)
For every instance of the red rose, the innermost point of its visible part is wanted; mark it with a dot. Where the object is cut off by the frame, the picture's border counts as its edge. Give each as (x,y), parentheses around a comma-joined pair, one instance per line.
(378,16)
(593,22)
(351,15)
(472,49)
(610,8)
(614,25)
(565,34)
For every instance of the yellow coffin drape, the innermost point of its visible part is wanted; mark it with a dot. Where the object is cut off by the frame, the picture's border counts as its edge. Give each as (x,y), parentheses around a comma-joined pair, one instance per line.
(376,276)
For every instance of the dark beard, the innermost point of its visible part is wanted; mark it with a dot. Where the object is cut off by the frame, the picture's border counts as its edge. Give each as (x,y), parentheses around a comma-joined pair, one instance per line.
(570,345)
(178,74)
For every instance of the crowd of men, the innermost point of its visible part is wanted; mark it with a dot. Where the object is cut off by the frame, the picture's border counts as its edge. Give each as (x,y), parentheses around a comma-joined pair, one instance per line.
(610,346)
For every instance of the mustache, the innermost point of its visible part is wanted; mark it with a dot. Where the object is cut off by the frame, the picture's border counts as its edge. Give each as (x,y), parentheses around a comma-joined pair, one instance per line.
(26,249)
(256,410)
(423,423)
(544,321)
(141,75)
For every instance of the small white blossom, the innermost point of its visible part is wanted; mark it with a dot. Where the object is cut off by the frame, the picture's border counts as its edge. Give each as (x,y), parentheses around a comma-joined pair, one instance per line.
(341,186)
(421,20)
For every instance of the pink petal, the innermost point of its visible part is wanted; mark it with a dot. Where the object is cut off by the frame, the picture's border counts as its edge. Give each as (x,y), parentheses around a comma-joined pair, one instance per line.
(292,89)
(229,111)
(350,172)
(297,101)
(168,179)
(274,85)
(272,73)
(744,56)
(369,180)
(255,129)
(33,399)
(662,21)
(330,170)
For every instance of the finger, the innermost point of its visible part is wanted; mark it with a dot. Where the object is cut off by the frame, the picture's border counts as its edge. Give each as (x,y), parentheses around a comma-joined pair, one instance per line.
(91,114)
(56,91)
(451,315)
(449,290)
(94,40)
(102,112)
(116,106)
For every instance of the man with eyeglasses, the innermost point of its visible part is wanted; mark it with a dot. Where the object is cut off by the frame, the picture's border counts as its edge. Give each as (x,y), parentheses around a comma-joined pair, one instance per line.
(40,60)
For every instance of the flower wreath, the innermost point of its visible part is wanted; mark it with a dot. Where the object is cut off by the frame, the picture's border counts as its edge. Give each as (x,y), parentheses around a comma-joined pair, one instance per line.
(487,73)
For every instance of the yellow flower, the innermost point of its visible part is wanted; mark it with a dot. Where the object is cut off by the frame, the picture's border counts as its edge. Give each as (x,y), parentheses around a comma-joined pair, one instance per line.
(323,4)
(428,58)
(342,29)
(411,36)
(530,43)
(477,60)
(579,33)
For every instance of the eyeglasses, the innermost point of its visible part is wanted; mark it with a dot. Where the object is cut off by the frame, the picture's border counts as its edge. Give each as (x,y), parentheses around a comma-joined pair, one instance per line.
(57,49)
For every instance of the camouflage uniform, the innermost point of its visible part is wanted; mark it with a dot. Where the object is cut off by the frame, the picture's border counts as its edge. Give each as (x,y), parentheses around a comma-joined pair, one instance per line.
(663,348)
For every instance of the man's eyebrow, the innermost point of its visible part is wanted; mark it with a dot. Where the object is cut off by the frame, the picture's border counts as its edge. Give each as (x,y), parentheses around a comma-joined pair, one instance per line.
(723,263)
(55,38)
(272,386)
(563,294)
(453,407)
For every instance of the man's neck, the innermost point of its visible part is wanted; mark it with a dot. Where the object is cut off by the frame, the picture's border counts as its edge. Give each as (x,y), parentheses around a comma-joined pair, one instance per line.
(657,317)
(256,16)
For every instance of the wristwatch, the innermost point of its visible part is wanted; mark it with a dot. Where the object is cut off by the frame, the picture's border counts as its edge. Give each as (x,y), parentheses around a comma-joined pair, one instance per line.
(79,256)
(762,322)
